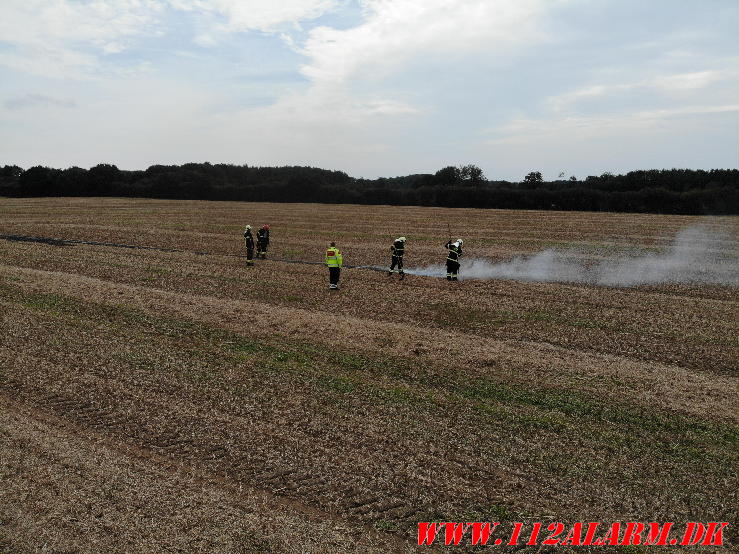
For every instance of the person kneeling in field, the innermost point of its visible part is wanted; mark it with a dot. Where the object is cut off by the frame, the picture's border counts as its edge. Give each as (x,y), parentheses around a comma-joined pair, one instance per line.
(334,261)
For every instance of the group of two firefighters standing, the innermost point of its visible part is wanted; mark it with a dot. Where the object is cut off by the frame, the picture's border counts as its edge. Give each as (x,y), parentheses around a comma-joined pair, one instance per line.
(334,259)
(262,244)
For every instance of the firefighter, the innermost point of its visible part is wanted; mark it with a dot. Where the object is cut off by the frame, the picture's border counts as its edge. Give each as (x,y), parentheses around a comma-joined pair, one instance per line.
(249,243)
(397,249)
(334,261)
(262,241)
(452,258)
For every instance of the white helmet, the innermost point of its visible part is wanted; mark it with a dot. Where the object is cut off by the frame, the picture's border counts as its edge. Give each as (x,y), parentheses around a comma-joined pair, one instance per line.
(248,228)
(401,239)
(460,242)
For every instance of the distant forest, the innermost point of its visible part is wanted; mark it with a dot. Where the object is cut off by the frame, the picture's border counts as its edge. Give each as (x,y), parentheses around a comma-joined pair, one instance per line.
(667,191)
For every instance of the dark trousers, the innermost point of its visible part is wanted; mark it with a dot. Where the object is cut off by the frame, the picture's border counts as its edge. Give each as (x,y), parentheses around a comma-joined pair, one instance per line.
(452,269)
(249,256)
(261,250)
(333,275)
(397,260)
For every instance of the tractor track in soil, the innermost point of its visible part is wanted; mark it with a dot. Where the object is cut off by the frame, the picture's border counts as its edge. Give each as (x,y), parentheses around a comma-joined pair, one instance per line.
(220,461)
(298,490)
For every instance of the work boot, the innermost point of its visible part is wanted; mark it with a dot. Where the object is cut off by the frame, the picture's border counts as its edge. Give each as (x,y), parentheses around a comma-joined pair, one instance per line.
(389,272)
(402,276)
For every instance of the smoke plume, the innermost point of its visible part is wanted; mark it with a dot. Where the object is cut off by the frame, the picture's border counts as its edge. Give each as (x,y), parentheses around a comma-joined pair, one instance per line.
(698,255)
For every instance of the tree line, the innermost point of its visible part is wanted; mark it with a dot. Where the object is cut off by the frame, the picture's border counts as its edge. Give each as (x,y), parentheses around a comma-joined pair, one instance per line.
(668,191)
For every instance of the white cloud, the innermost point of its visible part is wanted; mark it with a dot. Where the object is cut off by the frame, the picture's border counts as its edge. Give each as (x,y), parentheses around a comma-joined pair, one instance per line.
(346,67)
(100,22)
(62,38)
(346,113)
(49,61)
(395,32)
(334,106)
(697,136)
(66,38)
(689,81)
(522,130)
(33,100)
(205,40)
(650,118)
(260,15)
(663,84)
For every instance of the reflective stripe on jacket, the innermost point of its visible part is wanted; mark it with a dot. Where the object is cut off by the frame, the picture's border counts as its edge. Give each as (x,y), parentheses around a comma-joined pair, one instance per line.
(455,252)
(334,257)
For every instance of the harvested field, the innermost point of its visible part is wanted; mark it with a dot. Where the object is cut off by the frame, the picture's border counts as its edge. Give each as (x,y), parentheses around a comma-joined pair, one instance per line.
(171,399)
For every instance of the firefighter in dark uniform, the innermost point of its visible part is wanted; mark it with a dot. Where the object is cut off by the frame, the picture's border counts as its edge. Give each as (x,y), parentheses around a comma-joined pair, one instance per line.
(397,250)
(452,259)
(249,243)
(262,241)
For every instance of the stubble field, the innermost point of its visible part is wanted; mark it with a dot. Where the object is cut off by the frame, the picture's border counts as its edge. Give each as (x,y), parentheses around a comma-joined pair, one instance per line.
(171,399)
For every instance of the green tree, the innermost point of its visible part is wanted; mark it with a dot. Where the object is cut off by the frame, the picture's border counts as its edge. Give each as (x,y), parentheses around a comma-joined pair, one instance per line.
(472,174)
(448,176)
(534,177)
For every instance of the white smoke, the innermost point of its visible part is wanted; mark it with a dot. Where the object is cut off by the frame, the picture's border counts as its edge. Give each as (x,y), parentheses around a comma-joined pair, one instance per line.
(697,255)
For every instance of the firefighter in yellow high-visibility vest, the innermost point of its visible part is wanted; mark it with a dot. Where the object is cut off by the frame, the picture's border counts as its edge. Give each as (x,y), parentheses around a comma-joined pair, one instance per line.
(334,261)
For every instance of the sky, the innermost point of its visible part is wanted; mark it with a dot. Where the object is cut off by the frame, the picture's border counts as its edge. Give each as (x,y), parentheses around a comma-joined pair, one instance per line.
(375,88)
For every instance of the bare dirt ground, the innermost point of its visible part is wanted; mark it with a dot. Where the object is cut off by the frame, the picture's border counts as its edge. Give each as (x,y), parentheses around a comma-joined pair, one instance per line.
(179,401)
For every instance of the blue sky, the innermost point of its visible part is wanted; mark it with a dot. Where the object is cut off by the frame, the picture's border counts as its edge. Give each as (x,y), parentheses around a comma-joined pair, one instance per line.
(372,87)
